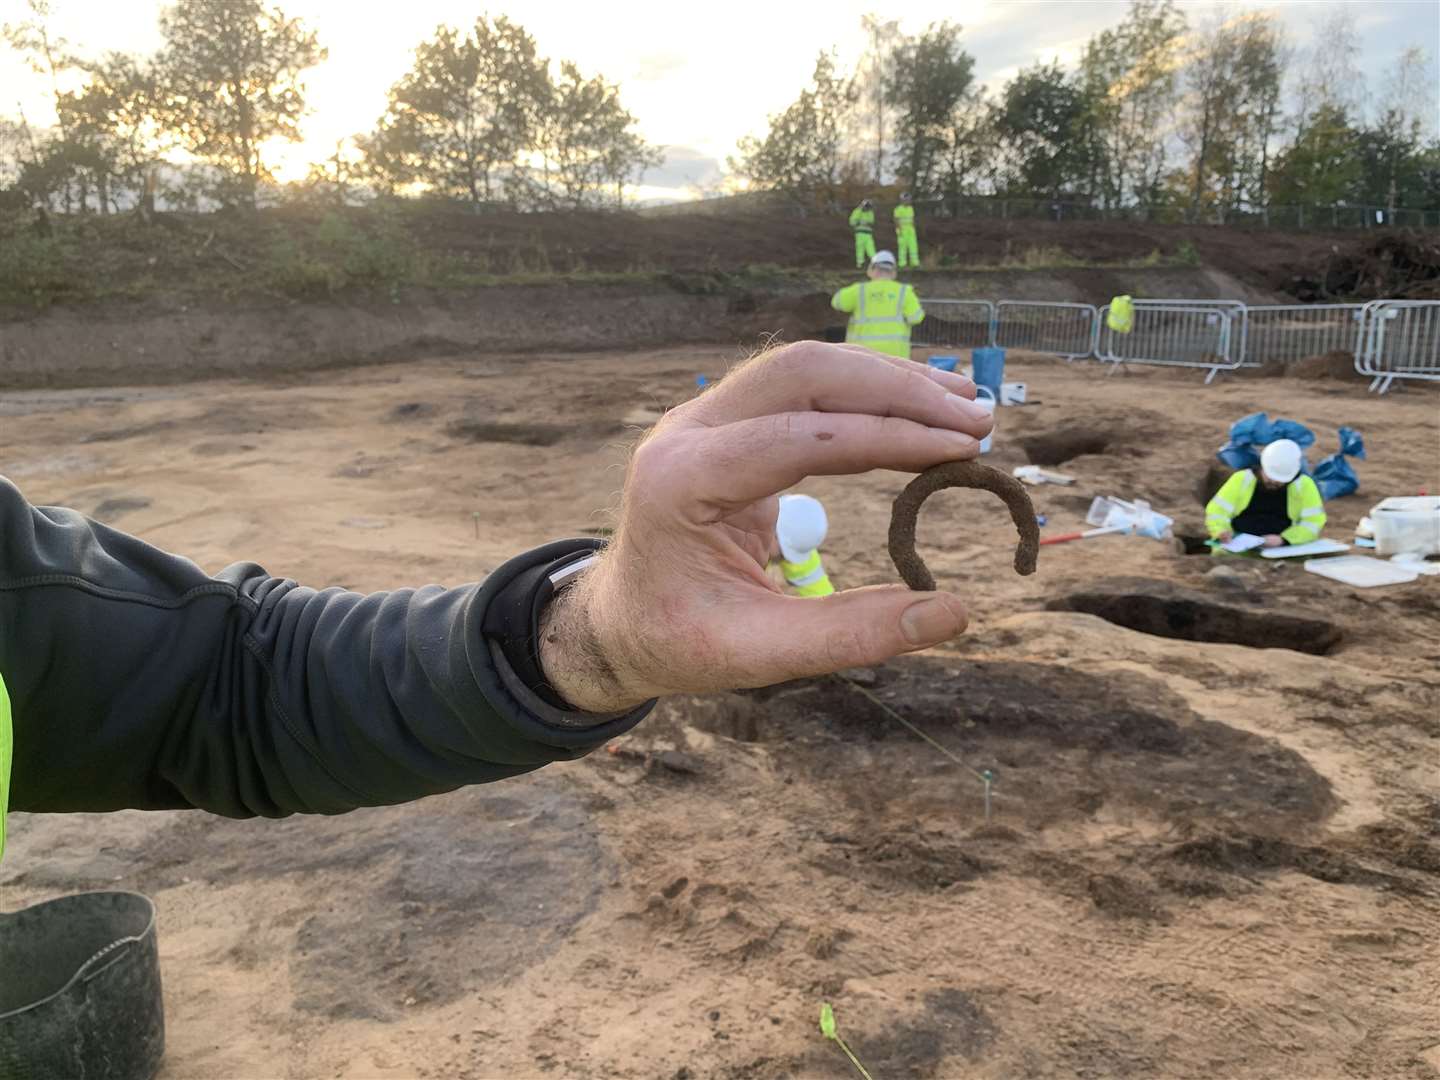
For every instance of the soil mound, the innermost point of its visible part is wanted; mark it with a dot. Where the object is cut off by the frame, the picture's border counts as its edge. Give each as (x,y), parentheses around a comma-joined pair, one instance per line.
(1402,265)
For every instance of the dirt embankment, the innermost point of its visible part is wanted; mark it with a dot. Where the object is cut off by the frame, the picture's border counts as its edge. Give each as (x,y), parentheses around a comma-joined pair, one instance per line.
(125,343)
(699,242)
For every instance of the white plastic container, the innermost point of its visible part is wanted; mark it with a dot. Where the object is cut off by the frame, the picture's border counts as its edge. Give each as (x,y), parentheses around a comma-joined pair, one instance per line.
(1407,524)
(1136,517)
(985,397)
(1012,393)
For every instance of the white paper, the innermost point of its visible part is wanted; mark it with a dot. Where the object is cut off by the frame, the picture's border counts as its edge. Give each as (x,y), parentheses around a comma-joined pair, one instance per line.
(1243,542)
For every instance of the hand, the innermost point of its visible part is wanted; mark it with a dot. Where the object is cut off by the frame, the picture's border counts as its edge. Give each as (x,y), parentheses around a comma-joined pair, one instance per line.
(1225,537)
(1272,540)
(680,601)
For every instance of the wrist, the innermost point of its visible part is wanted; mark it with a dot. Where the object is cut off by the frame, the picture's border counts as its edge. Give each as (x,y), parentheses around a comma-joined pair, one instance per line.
(578,662)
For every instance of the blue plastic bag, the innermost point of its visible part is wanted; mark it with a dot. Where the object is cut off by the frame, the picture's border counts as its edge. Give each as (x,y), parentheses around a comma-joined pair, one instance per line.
(1238,457)
(1351,444)
(1250,433)
(1257,429)
(1296,432)
(1334,476)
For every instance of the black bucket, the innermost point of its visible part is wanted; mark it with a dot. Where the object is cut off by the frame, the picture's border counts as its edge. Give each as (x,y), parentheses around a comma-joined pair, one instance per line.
(80,990)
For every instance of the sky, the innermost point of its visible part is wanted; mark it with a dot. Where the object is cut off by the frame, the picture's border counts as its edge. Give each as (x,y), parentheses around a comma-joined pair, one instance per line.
(697,76)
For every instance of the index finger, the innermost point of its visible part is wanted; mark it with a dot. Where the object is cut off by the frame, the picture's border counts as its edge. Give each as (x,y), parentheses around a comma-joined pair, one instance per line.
(719,470)
(813,376)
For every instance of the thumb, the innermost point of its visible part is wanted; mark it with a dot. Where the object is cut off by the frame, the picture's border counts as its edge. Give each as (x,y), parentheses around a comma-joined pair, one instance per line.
(803,636)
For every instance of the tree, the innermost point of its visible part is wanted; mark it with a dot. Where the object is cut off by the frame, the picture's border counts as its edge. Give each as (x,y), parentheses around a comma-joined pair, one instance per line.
(112,121)
(1040,120)
(1128,75)
(1395,168)
(47,165)
(585,142)
(970,150)
(333,181)
(1231,110)
(871,85)
(803,155)
(1393,149)
(1330,75)
(931,75)
(232,74)
(1322,166)
(463,113)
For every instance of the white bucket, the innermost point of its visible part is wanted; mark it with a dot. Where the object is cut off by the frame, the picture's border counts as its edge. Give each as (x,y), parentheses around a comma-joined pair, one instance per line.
(1012,393)
(985,397)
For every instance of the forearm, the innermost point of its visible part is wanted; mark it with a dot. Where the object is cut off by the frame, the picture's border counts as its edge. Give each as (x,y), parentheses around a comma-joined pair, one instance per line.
(1217,521)
(139,681)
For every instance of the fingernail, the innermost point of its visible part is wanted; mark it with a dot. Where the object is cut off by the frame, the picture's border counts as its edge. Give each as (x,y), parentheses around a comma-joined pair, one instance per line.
(930,622)
(969,408)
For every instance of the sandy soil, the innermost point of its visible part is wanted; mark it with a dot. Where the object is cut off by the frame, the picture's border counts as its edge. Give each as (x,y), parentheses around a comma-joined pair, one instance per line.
(1206,858)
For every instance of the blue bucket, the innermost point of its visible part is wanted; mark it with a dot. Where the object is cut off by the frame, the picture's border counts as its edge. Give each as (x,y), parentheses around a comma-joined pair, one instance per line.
(944,363)
(988,364)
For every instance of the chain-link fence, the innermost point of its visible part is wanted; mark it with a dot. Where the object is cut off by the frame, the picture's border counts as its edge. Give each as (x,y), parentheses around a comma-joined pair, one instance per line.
(1288,216)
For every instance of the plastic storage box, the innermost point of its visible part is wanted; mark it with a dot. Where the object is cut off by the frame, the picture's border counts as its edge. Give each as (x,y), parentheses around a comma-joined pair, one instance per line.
(1407,524)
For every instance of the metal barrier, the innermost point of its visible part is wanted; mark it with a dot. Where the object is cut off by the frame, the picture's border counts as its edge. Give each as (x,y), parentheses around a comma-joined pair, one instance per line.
(1066,330)
(1400,339)
(956,324)
(1285,333)
(1390,339)
(1239,322)
(1198,337)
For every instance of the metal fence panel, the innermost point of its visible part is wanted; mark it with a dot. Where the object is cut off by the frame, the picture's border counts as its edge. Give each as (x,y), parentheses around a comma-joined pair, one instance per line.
(956,324)
(1239,321)
(1284,333)
(1198,337)
(1400,340)
(1066,330)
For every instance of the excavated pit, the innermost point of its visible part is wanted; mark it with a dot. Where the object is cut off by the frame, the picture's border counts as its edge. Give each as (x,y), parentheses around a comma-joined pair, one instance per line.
(1164,611)
(1058,447)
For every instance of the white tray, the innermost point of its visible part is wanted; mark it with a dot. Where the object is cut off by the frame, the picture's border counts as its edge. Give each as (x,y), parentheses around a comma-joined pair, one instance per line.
(1315,547)
(1361,571)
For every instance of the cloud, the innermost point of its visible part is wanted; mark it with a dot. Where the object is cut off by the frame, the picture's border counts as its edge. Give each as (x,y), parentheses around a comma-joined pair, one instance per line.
(684,167)
(652,67)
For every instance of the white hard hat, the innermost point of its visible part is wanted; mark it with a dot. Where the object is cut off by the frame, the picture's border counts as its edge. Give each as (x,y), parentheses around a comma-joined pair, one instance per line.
(882,258)
(1281,460)
(800,526)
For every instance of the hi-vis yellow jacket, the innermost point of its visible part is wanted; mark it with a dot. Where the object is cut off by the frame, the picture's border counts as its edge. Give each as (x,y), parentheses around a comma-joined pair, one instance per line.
(904,215)
(807,577)
(881,315)
(1302,503)
(862,220)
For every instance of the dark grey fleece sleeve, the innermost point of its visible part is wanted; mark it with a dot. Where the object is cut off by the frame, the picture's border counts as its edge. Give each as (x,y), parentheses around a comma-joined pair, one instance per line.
(137,680)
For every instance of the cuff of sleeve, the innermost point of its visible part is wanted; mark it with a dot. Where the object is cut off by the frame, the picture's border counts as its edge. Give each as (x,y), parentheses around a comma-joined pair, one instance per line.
(569,731)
